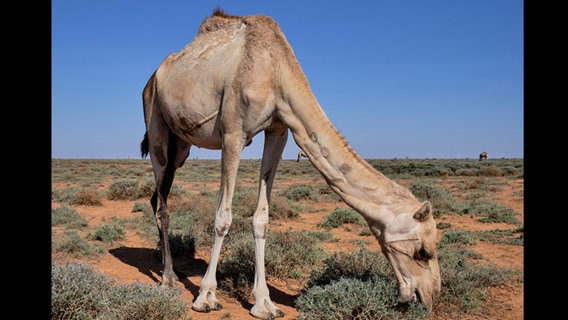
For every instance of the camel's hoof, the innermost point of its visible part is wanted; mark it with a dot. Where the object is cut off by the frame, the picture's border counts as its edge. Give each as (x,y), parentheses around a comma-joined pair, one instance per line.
(268,316)
(205,309)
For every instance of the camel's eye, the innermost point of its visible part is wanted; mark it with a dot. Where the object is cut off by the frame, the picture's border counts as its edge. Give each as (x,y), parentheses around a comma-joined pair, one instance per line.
(423,254)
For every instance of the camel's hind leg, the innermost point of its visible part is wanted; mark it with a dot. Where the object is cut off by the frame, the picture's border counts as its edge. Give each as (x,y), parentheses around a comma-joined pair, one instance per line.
(167,153)
(274,142)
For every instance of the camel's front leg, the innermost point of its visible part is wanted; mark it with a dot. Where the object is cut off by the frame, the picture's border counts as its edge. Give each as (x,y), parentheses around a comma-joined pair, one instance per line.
(230,157)
(274,144)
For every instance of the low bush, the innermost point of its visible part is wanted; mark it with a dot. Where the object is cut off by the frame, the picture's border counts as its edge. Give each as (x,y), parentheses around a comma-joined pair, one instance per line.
(68,217)
(355,285)
(341,216)
(79,292)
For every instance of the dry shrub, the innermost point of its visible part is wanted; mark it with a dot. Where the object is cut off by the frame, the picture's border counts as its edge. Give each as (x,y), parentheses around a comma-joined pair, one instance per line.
(491,171)
(87,197)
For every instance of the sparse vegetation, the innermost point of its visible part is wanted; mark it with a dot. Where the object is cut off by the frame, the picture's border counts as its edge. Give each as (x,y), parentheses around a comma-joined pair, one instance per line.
(333,283)
(80,292)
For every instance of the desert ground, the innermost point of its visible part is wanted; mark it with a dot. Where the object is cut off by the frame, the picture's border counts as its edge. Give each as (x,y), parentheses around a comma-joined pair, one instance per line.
(133,258)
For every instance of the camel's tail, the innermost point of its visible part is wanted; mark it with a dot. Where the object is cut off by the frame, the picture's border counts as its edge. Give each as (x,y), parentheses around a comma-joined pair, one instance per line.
(148,103)
(144,145)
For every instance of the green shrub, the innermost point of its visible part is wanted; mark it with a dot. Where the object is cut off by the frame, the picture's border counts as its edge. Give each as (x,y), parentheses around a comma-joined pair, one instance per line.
(299,192)
(79,292)
(72,243)
(66,195)
(141,207)
(360,264)
(443,225)
(318,235)
(458,238)
(348,298)
(340,216)
(123,190)
(67,216)
(281,208)
(76,291)
(109,233)
(438,197)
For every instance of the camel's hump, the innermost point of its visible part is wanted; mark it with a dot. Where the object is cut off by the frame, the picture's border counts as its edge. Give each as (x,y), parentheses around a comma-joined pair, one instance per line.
(220,20)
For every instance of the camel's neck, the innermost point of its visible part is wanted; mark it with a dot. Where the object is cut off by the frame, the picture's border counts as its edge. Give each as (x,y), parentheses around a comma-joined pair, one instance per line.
(358,183)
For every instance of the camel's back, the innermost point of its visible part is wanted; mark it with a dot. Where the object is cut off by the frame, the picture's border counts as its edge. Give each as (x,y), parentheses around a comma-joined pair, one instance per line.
(229,55)
(210,51)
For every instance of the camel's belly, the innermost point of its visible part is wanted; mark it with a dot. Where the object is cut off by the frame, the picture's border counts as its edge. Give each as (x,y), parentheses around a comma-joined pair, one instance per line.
(199,129)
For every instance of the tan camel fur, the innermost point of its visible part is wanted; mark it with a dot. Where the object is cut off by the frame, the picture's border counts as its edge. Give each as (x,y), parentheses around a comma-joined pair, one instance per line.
(300,155)
(240,77)
(482,156)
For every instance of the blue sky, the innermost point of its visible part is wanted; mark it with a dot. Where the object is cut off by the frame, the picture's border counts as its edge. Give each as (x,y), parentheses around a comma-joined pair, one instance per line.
(416,79)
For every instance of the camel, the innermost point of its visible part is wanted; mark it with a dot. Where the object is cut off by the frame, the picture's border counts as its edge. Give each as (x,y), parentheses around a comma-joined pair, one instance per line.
(300,155)
(239,77)
(482,156)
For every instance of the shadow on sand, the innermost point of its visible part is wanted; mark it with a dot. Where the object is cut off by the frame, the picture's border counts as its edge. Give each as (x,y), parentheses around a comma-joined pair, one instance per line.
(148,262)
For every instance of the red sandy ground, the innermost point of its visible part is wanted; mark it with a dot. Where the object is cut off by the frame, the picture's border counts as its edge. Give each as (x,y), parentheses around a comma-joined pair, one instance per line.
(133,259)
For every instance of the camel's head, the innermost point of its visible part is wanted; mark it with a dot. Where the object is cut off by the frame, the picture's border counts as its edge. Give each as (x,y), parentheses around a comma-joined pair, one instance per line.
(409,243)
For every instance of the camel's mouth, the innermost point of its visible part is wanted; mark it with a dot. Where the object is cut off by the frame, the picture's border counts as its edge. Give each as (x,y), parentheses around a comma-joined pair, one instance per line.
(414,297)
(417,297)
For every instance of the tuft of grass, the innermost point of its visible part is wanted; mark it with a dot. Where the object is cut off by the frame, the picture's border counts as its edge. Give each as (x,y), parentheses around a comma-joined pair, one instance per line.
(438,197)
(318,235)
(87,197)
(124,190)
(79,292)
(109,233)
(66,195)
(458,238)
(443,225)
(301,192)
(360,264)
(141,207)
(282,208)
(341,216)
(349,298)
(68,217)
(72,243)
(354,285)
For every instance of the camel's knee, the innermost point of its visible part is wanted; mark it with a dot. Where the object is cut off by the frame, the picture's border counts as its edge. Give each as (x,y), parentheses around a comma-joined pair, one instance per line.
(162,217)
(223,222)
(260,222)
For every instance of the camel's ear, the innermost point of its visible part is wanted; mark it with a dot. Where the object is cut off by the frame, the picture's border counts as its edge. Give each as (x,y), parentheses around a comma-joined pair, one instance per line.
(424,212)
